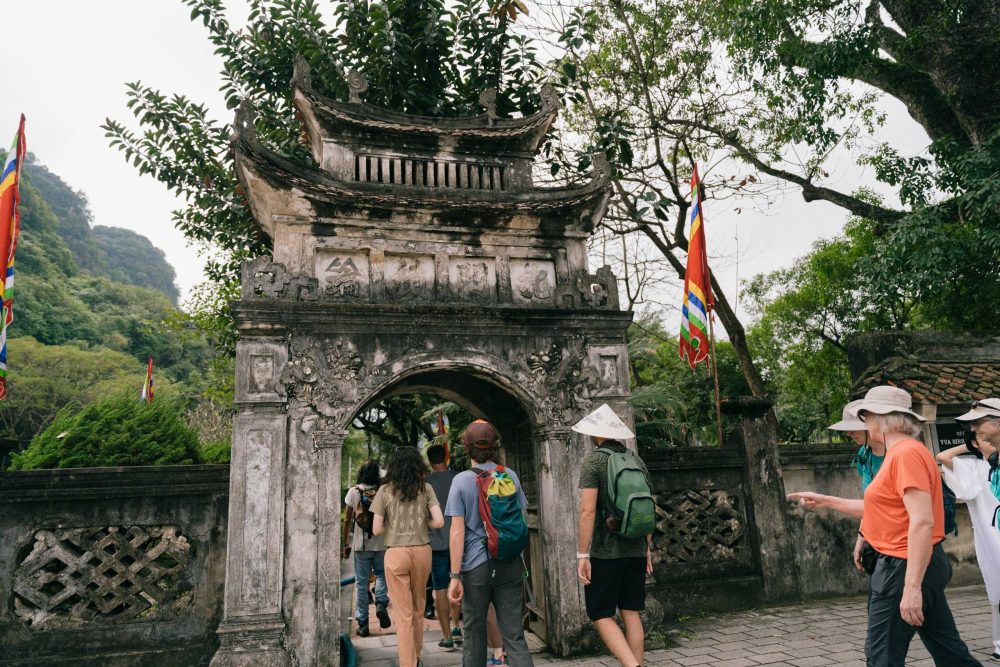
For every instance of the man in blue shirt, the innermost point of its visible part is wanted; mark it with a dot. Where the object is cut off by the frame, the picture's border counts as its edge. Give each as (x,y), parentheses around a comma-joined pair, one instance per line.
(476,579)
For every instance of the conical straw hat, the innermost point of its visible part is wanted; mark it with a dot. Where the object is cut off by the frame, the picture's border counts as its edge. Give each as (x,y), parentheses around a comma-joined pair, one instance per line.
(604,423)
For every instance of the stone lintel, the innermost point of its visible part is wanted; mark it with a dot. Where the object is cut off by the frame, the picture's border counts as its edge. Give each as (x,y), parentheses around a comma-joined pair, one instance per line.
(260,317)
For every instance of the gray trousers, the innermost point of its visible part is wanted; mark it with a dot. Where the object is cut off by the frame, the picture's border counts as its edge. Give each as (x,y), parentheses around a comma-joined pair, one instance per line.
(503,585)
(889,635)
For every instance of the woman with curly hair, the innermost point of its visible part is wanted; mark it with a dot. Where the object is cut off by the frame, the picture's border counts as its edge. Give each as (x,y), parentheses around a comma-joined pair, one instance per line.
(405,507)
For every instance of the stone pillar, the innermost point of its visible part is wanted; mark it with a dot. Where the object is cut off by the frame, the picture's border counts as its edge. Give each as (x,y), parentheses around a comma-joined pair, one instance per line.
(328,444)
(751,433)
(253,624)
(559,471)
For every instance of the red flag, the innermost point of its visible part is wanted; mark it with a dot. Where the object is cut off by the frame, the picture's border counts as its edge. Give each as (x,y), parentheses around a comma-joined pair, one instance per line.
(147,387)
(698,302)
(441,431)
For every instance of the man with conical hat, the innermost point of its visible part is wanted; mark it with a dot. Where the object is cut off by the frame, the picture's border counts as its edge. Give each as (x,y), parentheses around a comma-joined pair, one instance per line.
(613,568)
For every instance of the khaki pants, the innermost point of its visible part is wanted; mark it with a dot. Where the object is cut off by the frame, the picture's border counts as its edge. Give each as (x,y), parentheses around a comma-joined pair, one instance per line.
(406,572)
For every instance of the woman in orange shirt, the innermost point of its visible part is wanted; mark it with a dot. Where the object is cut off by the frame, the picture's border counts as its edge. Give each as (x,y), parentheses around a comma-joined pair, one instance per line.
(902,522)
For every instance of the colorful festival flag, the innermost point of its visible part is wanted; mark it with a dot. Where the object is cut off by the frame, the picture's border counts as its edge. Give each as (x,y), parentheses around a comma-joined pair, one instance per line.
(698,301)
(10,225)
(442,430)
(147,387)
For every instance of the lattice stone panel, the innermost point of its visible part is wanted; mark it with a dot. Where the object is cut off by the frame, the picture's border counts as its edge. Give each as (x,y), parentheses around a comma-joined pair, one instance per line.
(699,526)
(107,574)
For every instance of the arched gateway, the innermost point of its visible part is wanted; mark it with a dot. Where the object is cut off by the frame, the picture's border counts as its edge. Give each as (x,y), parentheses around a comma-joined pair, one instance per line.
(417,254)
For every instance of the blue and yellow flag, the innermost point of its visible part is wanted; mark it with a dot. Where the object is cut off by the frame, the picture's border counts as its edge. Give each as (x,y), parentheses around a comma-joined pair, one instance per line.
(10,225)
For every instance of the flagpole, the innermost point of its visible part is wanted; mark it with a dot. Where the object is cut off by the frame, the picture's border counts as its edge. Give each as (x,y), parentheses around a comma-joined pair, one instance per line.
(711,319)
(715,374)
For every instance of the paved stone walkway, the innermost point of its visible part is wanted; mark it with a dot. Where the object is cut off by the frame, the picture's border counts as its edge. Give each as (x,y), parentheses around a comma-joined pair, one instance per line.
(821,633)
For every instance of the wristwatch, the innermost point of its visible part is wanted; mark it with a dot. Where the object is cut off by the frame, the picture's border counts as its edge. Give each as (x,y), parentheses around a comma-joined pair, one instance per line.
(580,555)
(455,575)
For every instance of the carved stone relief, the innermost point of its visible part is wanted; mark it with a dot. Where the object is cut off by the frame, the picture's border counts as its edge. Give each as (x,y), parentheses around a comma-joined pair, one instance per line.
(562,380)
(532,281)
(343,275)
(258,364)
(322,377)
(409,277)
(103,574)
(258,480)
(473,279)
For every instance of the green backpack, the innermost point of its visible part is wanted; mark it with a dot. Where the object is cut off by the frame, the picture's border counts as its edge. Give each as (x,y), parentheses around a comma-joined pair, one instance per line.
(631,510)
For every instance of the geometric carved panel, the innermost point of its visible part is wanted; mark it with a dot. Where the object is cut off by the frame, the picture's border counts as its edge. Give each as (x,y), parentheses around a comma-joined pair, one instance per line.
(699,526)
(107,574)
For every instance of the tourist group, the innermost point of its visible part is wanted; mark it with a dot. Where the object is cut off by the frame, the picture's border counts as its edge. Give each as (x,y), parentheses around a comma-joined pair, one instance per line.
(470,553)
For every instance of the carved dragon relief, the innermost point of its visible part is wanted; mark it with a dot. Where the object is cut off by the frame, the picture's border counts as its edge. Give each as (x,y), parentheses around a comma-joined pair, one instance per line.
(326,378)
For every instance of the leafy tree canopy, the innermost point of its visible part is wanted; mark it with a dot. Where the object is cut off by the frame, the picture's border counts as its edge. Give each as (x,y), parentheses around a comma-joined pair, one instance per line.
(673,405)
(844,286)
(417,56)
(115,431)
(45,378)
(813,72)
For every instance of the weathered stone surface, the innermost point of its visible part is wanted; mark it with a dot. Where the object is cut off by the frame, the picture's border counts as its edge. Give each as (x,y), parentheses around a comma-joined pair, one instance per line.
(417,256)
(114,566)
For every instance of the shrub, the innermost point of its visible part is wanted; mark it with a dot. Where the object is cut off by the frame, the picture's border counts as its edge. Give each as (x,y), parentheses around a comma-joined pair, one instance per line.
(115,431)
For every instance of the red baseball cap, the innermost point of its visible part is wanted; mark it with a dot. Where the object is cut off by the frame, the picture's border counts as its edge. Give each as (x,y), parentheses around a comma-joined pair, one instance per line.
(480,434)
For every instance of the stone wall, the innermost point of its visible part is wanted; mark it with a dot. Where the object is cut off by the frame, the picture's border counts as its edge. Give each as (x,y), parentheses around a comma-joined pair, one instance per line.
(825,540)
(112,566)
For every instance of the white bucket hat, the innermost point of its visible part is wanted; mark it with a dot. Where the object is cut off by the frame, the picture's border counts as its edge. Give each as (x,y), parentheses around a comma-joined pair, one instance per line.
(885,399)
(848,421)
(984,407)
(604,423)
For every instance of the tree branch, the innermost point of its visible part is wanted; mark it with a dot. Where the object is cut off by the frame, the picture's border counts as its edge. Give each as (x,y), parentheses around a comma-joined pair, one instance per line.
(810,191)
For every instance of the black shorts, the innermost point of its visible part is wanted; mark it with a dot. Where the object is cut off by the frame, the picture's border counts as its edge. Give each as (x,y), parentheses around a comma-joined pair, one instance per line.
(615,583)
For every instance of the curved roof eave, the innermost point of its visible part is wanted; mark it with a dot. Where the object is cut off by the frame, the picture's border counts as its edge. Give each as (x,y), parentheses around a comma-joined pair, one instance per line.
(522,134)
(585,205)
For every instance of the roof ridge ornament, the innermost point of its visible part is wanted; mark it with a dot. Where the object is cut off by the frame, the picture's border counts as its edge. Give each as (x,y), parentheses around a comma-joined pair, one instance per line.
(488,100)
(302,73)
(550,99)
(245,123)
(357,84)
(602,166)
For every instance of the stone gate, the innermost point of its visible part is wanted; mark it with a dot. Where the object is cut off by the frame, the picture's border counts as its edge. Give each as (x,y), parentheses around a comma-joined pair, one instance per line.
(414,255)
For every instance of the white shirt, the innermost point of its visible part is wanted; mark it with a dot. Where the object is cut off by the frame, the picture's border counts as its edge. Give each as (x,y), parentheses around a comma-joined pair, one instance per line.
(362,542)
(967,479)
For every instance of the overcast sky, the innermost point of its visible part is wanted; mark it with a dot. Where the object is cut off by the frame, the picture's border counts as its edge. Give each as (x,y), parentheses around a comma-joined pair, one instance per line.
(65,68)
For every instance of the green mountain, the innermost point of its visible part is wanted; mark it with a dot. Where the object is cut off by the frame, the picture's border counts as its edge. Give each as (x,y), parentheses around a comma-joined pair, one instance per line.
(111,252)
(91,304)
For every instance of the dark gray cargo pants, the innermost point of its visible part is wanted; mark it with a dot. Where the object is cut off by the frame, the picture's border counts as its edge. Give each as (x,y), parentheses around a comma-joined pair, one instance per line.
(503,585)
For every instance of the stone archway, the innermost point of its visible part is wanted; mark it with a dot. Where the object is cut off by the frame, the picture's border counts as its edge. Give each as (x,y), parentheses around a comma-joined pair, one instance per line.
(414,250)
(485,396)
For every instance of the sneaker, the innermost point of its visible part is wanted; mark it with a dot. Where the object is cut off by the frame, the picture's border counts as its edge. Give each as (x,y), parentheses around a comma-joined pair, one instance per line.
(429,613)
(995,657)
(456,636)
(496,662)
(383,617)
(363,630)
(446,645)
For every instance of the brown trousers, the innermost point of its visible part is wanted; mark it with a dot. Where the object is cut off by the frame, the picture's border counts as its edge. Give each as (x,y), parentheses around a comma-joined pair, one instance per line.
(406,572)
